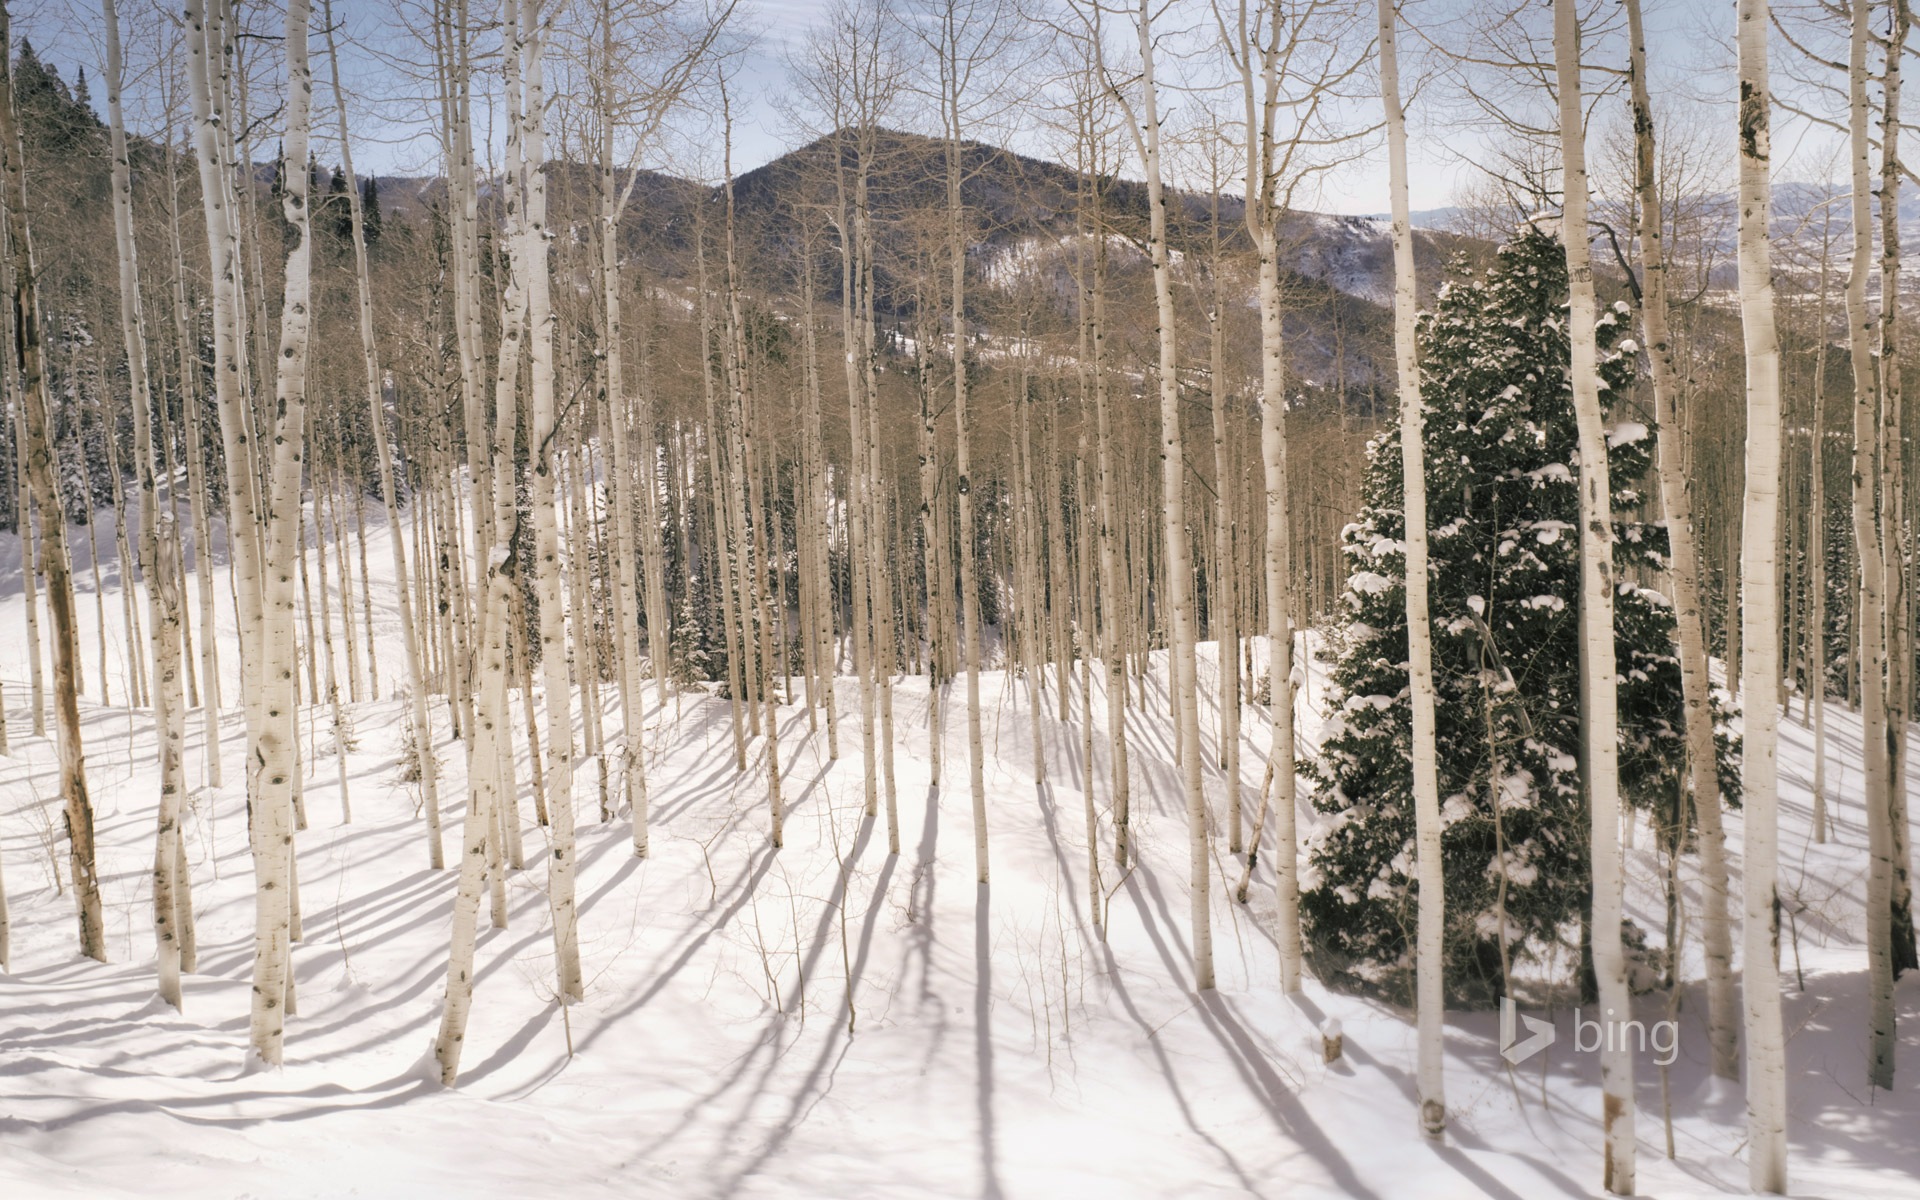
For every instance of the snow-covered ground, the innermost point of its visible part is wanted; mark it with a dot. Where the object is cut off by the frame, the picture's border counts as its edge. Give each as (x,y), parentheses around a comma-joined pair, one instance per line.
(826,1019)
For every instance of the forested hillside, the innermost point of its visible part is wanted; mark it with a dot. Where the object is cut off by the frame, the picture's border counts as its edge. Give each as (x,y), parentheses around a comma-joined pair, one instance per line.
(1007,554)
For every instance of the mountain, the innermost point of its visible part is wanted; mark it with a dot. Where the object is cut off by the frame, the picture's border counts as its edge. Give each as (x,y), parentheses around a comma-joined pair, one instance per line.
(1023,223)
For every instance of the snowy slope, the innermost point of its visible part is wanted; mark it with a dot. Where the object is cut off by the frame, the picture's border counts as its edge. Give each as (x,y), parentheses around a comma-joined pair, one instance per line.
(822,1020)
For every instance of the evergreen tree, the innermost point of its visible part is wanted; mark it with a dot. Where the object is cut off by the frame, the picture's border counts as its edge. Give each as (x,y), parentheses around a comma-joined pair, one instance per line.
(336,215)
(370,211)
(691,663)
(1505,580)
(55,120)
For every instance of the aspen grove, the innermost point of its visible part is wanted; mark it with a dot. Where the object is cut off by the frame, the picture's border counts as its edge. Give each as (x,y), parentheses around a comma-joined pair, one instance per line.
(1233,597)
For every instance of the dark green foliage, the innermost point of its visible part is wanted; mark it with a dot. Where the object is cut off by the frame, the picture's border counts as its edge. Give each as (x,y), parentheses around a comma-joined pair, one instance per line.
(334,216)
(371,224)
(53,119)
(1505,583)
(691,663)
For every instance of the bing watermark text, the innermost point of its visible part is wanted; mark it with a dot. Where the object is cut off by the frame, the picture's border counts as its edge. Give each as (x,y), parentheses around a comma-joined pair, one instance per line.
(1589,1035)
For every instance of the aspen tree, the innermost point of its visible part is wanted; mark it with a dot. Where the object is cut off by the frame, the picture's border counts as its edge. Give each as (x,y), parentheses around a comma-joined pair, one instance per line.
(169,469)
(1759,605)
(1144,125)
(957,47)
(813,501)
(358,493)
(1817,556)
(1059,563)
(753,550)
(159,549)
(1028,590)
(530,267)
(819,492)
(137,696)
(932,554)
(851,74)
(1223,600)
(1599,701)
(854,276)
(312,641)
(1109,532)
(452,627)
(198,500)
(1084,532)
(1892,499)
(493,530)
(723,575)
(425,763)
(652,107)
(31,552)
(75,451)
(731,498)
(336,718)
(271,750)
(1429,962)
(93,510)
(520,670)
(781,629)
(236,79)
(334,491)
(881,640)
(1261,41)
(653,553)
(769,560)
(1676,496)
(23,516)
(578,535)
(1869,555)
(37,446)
(212,149)
(624,594)
(471,577)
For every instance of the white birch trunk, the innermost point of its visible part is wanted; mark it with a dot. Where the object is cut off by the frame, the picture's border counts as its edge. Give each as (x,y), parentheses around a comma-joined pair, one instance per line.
(37,447)
(1817,559)
(1430,984)
(620,481)
(530,266)
(211,150)
(1226,569)
(425,762)
(963,439)
(1676,495)
(29,569)
(1113,585)
(270,754)
(1892,499)
(488,728)
(1260,98)
(1178,571)
(1599,700)
(1760,606)
(198,500)
(336,719)
(159,550)
(1869,616)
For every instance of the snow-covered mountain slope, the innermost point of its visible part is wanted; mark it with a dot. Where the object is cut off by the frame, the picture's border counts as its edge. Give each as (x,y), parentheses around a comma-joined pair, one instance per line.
(825,1019)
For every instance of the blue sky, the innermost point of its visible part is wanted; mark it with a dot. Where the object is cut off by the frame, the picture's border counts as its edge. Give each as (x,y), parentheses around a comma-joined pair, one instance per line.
(379,60)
